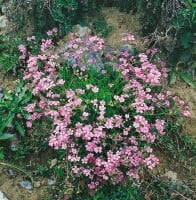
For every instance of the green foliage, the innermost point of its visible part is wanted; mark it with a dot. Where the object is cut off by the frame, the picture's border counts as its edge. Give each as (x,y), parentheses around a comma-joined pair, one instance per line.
(44,15)
(36,144)
(183,52)
(11,110)
(127,6)
(178,145)
(2,154)
(12,114)
(9,53)
(114,192)
(184,76)
(101,28)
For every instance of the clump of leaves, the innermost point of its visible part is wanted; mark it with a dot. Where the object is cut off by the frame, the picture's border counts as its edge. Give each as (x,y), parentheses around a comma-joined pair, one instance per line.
(45,14)
(8,53)
(11,112)
(101,28)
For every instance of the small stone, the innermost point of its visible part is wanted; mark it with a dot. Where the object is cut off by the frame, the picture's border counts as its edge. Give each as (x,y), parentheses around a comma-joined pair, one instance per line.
(81,31)
(9,173)
(51,182)
(96,57)
(3,196)
(128,48)
(26,184)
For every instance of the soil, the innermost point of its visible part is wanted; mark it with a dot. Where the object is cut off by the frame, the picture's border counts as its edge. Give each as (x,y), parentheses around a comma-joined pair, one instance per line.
(8,82)
(121,23)
(10,186)
(188,94)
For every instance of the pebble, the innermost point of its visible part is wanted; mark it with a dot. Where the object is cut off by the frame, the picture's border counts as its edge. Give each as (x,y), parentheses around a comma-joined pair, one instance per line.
(128,48)
(26,184)
(9,173)
(51,182)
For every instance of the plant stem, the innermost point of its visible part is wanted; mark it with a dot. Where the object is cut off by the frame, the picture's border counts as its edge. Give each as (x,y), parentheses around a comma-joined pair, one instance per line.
(19,169)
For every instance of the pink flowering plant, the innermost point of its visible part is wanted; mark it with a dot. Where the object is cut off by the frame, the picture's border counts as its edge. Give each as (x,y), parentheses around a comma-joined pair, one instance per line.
(106,119)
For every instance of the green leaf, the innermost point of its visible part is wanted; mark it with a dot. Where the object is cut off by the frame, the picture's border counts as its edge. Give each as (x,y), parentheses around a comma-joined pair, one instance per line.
(6,122)
(186,39)
(20,128)
(9,119)
(172,78)
(188,79)
(6,136)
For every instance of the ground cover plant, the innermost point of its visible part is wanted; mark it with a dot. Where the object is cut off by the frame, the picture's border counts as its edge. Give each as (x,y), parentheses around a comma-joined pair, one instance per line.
(97,119)
(105,118)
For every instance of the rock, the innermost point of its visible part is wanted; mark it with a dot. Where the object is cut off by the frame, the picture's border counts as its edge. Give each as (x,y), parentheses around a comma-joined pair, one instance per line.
(9,173)
(81,31)
(3,196)
(51,182)
(171,175)
(96,59)
(129,48)
(4,23)
(92,59)
(26,184)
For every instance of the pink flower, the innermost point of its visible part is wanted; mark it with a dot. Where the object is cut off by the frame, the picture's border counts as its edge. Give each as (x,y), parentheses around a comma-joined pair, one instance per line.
(151,161)
(30,107)
(95,89)
(70,94)
(186,113)
(160,126)
(32,38)
(75,169)
(85,114)
(88,86)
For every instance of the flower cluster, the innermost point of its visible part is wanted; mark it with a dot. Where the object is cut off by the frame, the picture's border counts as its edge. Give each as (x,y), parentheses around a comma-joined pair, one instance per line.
(105,126)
